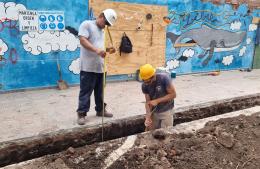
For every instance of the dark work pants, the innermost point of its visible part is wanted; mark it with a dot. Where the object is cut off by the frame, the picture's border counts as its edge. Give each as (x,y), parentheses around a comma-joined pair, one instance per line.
(90,81)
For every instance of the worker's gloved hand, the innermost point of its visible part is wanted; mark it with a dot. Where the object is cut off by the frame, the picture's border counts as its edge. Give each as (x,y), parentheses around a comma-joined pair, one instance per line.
(111,50)
(101,53)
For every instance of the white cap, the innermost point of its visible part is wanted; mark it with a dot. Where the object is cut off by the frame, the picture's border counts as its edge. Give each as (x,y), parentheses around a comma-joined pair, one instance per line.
(110,16)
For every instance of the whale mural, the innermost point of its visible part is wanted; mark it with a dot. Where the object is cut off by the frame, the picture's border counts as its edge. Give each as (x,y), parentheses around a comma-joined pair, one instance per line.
(210,40)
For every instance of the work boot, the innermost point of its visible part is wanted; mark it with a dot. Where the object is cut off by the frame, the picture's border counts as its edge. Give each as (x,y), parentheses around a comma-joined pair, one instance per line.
(81,120)
(106,114)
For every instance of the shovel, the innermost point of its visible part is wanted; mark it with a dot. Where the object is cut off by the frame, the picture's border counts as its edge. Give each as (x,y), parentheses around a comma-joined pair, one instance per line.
(62,85)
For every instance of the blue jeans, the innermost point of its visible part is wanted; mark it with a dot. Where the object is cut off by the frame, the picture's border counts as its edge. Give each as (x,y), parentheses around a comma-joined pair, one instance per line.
(90,82)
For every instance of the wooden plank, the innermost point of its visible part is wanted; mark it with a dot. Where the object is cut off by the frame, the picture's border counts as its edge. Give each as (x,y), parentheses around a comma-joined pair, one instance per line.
(256,20)
(148,46)
(143,52)
(130,15)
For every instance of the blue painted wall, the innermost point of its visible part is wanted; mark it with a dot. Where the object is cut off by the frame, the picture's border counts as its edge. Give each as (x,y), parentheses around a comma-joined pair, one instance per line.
(205,24)
(25,62)
(21,68)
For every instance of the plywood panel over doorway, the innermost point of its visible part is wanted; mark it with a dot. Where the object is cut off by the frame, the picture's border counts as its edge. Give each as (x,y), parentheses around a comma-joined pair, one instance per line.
(148,42)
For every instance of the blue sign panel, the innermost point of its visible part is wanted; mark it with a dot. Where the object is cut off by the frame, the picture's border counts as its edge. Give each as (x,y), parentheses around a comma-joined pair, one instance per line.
(51,20)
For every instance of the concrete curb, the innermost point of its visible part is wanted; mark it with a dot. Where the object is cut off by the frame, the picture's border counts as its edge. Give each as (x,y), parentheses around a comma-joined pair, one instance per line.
(28,148)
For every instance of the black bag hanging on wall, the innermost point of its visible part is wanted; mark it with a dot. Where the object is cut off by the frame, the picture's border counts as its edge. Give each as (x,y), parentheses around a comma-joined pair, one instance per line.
(126,44)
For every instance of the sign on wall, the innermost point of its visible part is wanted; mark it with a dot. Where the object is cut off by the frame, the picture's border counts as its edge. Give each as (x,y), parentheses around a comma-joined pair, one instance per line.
(51,20)
(30,20)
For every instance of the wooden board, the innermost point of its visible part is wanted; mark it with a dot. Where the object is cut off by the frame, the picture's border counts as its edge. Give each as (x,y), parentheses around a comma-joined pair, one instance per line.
(148,46)
(256,20)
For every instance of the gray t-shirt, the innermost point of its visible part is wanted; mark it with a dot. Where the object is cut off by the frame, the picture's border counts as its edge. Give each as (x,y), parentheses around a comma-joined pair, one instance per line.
(159,89)
(90,61)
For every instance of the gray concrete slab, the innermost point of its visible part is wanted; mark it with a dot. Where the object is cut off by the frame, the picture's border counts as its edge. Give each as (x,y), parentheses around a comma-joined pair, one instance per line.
(29,113)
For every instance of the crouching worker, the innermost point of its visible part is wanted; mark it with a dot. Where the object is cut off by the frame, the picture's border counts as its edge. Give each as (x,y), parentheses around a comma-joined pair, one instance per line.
(159,94)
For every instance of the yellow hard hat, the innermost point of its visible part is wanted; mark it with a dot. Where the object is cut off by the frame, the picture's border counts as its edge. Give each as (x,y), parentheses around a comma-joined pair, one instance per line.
(146,71)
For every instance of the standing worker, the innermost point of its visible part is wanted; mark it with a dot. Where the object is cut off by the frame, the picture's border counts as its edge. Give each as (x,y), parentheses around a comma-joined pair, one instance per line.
(159,95)
(92,54)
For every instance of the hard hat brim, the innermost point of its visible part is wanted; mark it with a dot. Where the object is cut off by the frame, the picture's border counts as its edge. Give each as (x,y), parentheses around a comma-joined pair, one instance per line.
(110,24)
(107,18)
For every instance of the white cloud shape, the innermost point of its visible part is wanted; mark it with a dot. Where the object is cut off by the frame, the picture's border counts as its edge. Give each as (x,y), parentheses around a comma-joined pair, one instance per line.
(188,52)
(75,66)
(252,27)
(10,10)
(242,51)
(235,25)
(47,41)
(3,47)
(227,60)
(172,64)
(248,41)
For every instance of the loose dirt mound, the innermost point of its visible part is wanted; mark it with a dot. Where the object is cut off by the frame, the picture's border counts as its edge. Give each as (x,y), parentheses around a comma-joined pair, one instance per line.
(232,143)
(226,143)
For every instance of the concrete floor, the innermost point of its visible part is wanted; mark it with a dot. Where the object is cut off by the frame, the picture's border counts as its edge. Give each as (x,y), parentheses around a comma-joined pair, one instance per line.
(29,113)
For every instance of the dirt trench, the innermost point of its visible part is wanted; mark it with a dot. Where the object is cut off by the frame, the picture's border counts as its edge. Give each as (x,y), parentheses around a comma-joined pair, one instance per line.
(230,143)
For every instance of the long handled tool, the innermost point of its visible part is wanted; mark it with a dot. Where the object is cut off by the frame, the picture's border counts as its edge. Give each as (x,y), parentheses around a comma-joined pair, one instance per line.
(103,97)
(61,83)
(110,50)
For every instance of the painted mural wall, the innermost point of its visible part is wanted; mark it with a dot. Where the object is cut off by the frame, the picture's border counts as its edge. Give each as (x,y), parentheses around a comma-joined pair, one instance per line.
(29,59)
(202,36)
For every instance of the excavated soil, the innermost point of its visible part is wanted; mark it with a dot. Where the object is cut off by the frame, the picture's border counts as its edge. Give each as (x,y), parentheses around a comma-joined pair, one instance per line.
(231,143)
(224,144)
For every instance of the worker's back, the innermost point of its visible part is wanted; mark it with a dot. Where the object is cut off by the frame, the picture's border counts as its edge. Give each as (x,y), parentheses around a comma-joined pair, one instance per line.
(158,89)
(90,61)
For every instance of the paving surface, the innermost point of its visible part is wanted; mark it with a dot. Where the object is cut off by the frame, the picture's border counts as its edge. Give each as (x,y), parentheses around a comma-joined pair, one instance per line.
(29,113)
